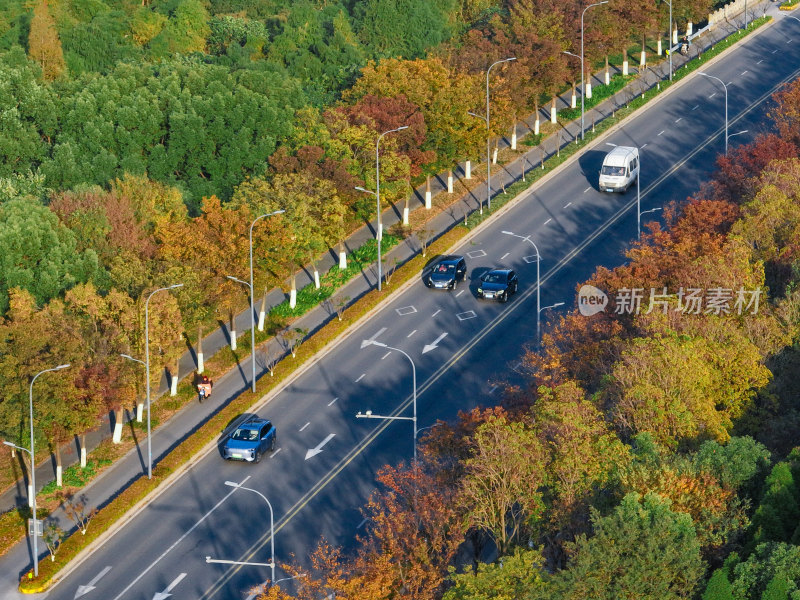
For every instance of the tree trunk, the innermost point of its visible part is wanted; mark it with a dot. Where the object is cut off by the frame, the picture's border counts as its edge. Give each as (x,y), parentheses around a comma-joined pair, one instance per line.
(173,379)
(342,256)
(117,436)
(468,170)
(574,102)
(588,81)
(405,211)
(293,291)
(427,192)
(200,365)
(494,154)
(83,450)
(608,74)
(624,61)
(643,57)
(450,181)
(232,329)
(315,271)
(553,114)
(514,135)
(59,466)
(537,122)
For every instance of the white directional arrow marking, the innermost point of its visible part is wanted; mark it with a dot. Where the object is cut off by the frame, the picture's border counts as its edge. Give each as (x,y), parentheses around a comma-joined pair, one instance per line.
(433,345)
(314,451)
(166,593)
(85,589)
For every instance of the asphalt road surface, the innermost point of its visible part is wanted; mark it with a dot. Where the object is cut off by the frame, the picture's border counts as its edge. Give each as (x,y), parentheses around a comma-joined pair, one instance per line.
(478,343)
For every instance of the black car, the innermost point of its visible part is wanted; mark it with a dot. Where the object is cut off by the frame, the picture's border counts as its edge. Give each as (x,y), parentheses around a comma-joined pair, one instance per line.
(498,284)
(250,440)
(446,273)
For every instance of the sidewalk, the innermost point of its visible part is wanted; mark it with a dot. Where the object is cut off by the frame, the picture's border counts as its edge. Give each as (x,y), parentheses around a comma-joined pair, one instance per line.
(132,465)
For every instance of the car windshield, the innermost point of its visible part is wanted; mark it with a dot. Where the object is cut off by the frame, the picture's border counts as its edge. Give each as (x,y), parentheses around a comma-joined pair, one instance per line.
(245,435)
(614,171)
(495,278)
(445,268)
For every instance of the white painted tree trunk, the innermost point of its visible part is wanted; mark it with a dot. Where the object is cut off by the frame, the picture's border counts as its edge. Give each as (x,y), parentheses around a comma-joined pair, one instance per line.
(342,259)
(173,381)
(316,278)
(588,89)
(625,66)
(608,75)
(233,339)
(293,291)
(427,193)
(139,411)
(405,215)
(200,362)
(574,99)
(494,156)
(468,170)
(116,437)
(659,51)
(689,29)
(514,137)
(643,59)
(536,124)
(553,115)
(450,182)
(675,35)
(30,495)
(59,467)
(83,451)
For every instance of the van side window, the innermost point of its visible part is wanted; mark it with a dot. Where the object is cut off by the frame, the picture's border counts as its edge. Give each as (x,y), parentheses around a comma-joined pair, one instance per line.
(634,164)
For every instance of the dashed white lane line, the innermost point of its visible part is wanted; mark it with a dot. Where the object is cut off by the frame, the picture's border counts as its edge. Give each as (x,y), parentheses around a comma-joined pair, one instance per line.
(696,106)
(335,399)
(729,83)
(304,426)
(459,293)
(745,71)
(584,191)
(568,204)
(412,333)
(643,146)
(678,120)
(774,51)
(504,255)
(275,452)
(385,355)
(360,377)
(436,313)
(492,389)
(712,95)
(789,41)
(660,132)
(360,525)
(759,62)
(548,220)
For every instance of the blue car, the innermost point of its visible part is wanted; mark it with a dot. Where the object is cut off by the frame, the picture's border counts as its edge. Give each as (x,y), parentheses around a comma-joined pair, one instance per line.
(250,440)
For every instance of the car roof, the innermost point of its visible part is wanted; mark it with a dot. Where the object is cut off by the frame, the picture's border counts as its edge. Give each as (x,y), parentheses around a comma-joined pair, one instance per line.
(453,258)
(499,270)
(253,423)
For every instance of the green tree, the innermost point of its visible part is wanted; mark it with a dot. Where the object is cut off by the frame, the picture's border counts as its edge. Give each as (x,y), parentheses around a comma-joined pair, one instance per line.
(770,561)
(40,254)
(719,587)
(642,550)
(776,518)
(510,578)
(185,31)
(501,490)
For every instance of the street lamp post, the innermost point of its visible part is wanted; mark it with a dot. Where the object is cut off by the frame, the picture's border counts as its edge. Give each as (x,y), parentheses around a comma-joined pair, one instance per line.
(239,486)
(368,414)
(252,300)
(147,370)
(538,280)
(726,105)
(583,85)
(488,135)
(379,231)
(32,453)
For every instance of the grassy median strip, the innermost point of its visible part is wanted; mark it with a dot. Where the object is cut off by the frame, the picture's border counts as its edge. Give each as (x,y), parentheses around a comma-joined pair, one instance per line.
(213,428)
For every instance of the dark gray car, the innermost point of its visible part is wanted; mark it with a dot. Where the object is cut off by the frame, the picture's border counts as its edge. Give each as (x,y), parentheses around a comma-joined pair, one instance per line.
(498,284)
(446,273)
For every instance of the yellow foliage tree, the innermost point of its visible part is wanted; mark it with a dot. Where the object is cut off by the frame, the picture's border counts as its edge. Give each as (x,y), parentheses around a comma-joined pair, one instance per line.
(44,45)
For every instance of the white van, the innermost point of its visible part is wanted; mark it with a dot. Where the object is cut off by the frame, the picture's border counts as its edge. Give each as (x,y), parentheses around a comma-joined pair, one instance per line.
(620,169)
